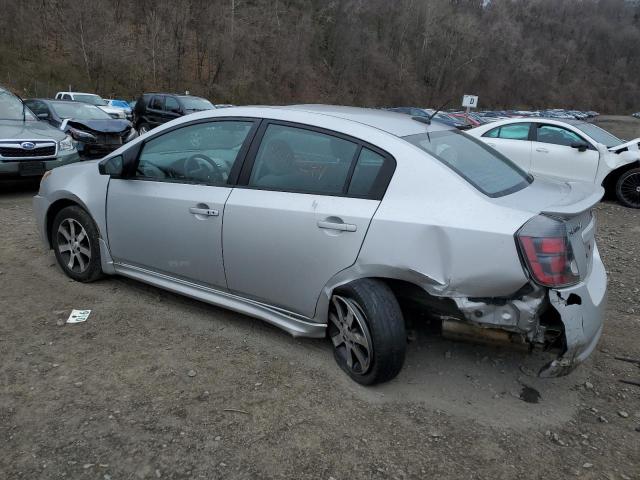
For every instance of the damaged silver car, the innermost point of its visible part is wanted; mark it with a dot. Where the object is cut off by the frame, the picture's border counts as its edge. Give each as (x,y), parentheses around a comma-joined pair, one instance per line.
(332,221)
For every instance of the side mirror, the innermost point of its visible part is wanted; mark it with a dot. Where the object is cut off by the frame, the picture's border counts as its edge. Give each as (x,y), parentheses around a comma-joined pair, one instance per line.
(176,110)
(580,146)
(122,166)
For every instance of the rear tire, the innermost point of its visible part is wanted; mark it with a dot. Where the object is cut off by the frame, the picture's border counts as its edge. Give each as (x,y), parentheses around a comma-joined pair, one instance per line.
(74,237)
(367,331)
(628,188)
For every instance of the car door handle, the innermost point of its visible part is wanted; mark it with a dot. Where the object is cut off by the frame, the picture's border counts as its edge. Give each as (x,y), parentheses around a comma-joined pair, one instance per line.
(204,211)
(542,150)
(342,227)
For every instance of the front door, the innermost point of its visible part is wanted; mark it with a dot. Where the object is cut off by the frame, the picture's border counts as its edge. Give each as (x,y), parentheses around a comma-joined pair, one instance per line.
(299,220)
(552,154)
(168,218)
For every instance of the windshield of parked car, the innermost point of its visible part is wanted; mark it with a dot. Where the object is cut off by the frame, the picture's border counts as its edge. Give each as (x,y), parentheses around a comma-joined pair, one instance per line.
(89,98)
(196,103)
(599,135)
(79,111)
(11,108)
(489,171)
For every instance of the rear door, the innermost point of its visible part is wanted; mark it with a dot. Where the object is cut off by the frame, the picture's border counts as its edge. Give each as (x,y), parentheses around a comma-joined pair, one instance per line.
(302,214)
(513,141)
(553,155)
(167,219)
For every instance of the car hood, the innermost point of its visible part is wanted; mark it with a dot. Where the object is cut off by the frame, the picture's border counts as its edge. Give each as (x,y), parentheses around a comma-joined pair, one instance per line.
(103,126)
(554,197)
(29,130)
(109,109)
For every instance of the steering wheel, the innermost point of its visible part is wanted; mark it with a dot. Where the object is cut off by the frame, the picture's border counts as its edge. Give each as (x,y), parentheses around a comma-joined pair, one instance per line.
(200,167)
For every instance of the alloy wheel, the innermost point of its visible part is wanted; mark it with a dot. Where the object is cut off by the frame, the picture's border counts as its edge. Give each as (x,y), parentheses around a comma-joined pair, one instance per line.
(73,245)
(349,334)
(630,189)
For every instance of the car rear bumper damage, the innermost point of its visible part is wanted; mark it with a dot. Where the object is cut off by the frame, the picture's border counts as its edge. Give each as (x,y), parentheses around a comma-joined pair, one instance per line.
(523,320)
(582,310)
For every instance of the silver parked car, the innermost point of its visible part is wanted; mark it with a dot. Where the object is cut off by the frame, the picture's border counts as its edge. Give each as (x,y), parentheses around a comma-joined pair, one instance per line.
(326,220)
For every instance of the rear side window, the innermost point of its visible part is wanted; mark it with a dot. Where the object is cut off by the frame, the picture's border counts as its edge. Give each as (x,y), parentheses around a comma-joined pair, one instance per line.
(514,131)
(66,97)
(367,174)
(486,169)
(300,160)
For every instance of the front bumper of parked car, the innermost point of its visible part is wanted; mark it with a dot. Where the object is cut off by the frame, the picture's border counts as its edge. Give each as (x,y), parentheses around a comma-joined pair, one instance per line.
(11,168)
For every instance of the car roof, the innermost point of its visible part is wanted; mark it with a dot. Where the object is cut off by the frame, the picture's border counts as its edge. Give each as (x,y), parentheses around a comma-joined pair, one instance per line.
(398,124)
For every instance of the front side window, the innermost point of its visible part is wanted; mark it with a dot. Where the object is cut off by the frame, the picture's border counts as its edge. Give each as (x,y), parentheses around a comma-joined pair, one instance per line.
(557,135)
(299,160)
(486,169)
(171,104)
(156,103)
(513,131)
(201,153)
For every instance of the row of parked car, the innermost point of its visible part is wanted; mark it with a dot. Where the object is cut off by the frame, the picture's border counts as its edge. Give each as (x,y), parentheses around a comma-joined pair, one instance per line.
(464,121)
(39,134)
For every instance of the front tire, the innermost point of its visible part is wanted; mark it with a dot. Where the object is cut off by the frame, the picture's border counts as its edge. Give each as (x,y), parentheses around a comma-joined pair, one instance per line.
(74,237)
(144,128)
(367,331)
(628,188)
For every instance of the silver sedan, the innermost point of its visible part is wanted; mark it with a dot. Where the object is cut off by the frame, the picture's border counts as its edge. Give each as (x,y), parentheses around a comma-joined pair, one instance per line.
(329,221)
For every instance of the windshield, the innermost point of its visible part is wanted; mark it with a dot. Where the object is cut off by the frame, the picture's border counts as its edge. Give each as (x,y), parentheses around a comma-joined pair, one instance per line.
(489,171)
(599,135)
(89,98)
(79,111)
(11,107)
(196,103)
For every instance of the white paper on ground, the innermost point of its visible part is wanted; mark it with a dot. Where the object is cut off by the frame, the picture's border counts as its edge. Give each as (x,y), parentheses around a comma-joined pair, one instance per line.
(78,316)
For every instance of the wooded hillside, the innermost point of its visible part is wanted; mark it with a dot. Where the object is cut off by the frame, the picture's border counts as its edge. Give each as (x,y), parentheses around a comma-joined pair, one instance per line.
(512,53)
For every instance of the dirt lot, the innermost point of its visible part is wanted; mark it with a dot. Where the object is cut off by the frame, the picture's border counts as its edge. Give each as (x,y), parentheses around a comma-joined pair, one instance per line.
(154,385)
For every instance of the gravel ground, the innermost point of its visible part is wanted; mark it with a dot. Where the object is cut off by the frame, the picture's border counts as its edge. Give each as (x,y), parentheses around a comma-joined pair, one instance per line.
(155,385)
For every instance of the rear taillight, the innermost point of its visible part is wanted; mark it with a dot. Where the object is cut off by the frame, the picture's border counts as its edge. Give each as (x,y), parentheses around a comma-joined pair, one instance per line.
(544,244)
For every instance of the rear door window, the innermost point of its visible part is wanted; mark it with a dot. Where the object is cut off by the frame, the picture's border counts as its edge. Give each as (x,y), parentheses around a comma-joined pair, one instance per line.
(514,131)
(300,160)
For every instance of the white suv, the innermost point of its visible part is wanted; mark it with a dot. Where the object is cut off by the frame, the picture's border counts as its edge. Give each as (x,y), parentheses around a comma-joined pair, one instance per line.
(92,99)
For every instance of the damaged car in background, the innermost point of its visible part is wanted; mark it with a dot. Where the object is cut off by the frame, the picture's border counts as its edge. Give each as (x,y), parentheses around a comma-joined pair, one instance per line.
(570,150)
(95,133)
(331,222)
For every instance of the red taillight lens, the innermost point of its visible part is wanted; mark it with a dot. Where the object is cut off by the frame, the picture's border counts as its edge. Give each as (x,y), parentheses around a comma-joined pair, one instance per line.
(547,252)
